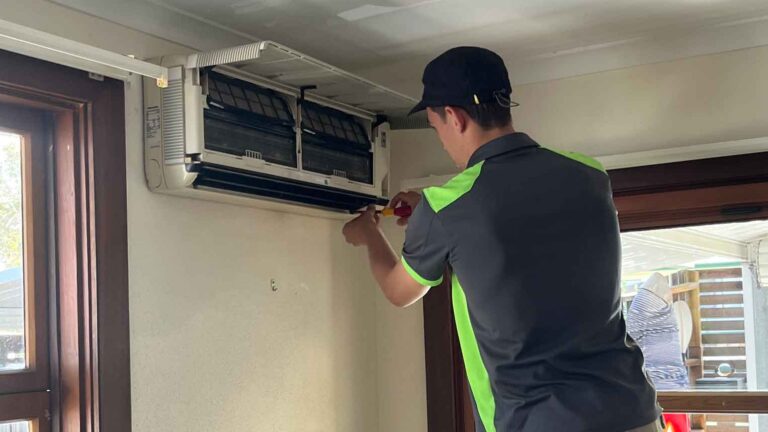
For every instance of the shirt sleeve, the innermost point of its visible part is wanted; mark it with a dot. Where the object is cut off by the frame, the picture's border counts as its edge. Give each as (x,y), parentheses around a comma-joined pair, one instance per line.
(427,246)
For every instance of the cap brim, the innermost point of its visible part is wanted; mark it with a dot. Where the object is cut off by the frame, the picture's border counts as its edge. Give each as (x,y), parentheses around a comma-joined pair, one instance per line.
(421,106)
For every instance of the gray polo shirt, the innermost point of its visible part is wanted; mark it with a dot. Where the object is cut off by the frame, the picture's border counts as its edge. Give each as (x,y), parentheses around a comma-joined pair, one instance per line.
(532,237)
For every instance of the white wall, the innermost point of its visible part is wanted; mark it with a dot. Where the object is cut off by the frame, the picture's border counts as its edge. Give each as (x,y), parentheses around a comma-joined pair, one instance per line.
(213,348)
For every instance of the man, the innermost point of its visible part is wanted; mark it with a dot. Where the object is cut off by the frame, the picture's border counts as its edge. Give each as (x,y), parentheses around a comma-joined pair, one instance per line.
(532,238)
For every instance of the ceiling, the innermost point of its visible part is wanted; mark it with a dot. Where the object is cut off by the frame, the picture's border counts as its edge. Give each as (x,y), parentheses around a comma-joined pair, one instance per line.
(678,247)
(740,231)
(357,34)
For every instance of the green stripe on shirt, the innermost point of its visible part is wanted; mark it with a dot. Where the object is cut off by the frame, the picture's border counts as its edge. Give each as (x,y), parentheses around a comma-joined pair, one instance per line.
(417,277)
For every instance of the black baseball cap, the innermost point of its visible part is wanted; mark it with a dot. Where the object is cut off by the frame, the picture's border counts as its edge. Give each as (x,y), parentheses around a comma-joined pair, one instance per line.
(465,76)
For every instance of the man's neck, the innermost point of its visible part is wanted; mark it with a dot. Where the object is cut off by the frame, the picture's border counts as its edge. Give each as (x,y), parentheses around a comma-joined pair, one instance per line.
(484,137)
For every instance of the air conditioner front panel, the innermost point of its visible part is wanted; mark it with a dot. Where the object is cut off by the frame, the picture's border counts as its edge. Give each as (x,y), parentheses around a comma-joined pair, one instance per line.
(294,69)
(280,188)
(260,167)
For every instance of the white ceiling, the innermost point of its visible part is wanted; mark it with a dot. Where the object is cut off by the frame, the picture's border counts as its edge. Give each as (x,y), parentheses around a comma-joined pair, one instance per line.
(390,41)
(669,248)
(739,231)
(382,31)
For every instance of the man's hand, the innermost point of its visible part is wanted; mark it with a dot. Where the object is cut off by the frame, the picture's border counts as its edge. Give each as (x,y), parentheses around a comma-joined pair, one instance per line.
(395,282)
(410,199)
(358,231)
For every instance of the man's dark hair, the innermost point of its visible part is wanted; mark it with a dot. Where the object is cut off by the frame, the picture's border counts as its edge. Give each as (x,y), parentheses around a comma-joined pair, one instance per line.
(488,115)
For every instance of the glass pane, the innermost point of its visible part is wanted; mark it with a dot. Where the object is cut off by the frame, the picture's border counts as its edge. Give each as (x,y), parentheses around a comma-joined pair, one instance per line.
(15,426)
(696,301)
(12,349)
(716,422)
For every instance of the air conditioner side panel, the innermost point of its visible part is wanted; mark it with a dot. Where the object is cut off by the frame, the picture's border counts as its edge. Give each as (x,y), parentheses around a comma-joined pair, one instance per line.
(381,147)
(164,134)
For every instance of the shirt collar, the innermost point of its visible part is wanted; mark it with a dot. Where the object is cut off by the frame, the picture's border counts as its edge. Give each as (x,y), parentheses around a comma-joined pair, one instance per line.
(501,145)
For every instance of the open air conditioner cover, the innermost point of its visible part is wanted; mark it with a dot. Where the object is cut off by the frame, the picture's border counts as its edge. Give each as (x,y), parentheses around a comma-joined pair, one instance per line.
(266,121)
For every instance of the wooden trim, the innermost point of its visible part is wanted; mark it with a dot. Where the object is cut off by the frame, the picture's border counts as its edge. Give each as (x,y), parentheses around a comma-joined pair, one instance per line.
(25,406)
(447,391)
(698,174)
(714,402)
(732,203)
(92,371)
(725,189)
(72,356)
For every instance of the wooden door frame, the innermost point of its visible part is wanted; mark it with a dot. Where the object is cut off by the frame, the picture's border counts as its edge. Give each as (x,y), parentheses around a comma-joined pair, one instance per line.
(90,358)
(726,189)
(448,398)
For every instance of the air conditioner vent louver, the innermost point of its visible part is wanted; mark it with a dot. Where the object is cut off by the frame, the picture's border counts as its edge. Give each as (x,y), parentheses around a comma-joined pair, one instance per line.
(173,123)
(225,56)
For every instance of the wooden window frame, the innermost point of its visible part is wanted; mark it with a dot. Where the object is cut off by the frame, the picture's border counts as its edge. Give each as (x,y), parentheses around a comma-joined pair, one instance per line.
(90,358)
(717,190)
(29,406)
(24,391)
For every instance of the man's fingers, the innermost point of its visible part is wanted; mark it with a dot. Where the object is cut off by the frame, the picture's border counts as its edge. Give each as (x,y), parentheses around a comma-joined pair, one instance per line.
(407,198)
(402,221)
(397,199)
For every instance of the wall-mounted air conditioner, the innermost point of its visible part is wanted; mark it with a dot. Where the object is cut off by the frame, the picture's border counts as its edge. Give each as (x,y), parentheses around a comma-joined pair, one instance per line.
(263,121)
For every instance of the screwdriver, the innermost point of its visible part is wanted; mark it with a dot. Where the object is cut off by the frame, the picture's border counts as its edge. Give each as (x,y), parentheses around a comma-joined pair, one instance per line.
(403,211)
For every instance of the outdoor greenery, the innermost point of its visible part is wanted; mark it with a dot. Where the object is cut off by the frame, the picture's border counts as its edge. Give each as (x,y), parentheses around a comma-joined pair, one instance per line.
(10,202)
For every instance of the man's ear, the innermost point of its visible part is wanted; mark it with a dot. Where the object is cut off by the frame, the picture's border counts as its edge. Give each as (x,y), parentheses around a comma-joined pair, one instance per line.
(457,117)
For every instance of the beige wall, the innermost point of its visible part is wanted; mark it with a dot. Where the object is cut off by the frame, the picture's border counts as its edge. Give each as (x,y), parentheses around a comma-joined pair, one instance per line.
(213,348)
(699,100)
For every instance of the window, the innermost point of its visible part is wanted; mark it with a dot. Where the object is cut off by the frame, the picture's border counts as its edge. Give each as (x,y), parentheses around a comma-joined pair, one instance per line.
(24,362)
(693,301)
(16,426)
(12,342)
